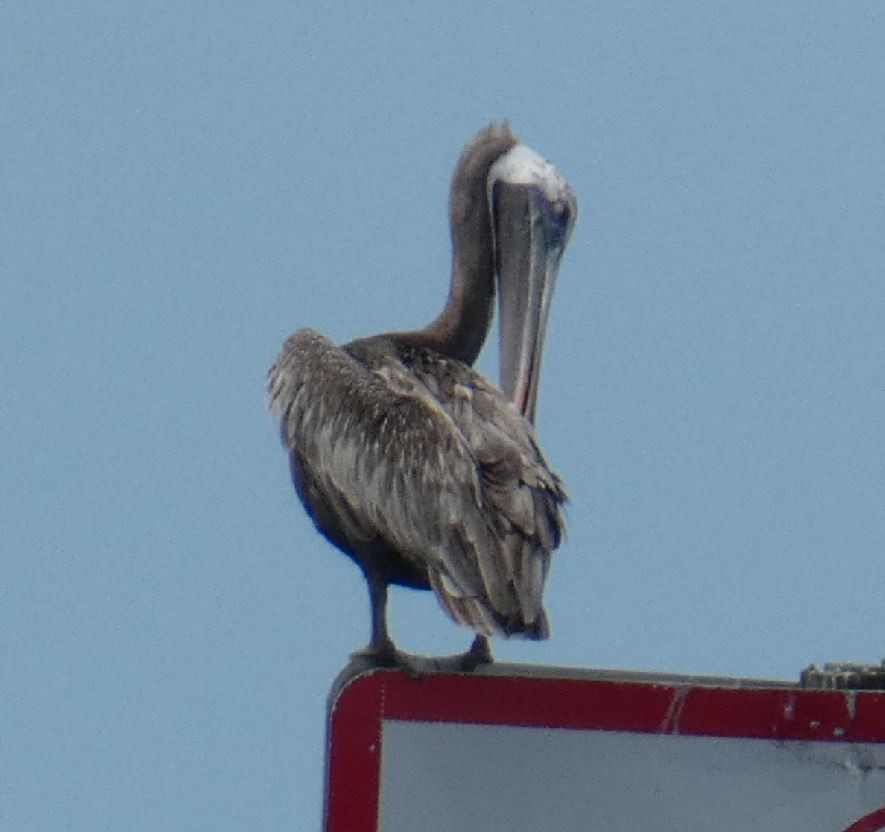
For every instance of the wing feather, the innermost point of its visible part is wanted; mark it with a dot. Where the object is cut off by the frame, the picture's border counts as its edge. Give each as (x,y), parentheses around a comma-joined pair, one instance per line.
(521,490)
(403,451)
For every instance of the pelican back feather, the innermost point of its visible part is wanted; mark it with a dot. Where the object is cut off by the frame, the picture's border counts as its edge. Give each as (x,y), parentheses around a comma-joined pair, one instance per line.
(423,473)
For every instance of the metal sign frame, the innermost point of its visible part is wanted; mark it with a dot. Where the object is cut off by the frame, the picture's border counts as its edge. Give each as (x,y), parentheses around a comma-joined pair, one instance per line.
(560,698)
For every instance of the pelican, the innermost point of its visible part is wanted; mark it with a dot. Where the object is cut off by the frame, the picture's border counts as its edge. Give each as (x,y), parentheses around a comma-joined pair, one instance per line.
(423,472)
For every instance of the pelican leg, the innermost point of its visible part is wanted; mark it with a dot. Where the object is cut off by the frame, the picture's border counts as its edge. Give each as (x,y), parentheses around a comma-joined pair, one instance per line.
(480,648)
(381,650)
(479,653)
(380,646)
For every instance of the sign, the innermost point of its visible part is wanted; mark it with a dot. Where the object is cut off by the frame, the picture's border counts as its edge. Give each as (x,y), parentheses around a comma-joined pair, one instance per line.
(572,750)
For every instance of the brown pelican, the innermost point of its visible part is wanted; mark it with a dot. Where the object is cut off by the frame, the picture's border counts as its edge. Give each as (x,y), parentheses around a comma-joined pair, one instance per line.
(409,461)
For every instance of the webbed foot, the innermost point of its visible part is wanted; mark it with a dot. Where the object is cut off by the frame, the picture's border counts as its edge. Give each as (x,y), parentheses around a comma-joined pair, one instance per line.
(385,654)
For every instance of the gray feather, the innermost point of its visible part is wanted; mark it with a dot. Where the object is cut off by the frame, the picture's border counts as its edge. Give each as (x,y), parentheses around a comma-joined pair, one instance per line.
(409,460)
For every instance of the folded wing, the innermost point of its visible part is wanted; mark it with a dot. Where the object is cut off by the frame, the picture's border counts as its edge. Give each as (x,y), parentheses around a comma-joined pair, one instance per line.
(413,463)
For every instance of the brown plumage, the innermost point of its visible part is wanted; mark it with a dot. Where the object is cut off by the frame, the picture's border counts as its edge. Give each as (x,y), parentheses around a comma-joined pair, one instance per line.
(412,463)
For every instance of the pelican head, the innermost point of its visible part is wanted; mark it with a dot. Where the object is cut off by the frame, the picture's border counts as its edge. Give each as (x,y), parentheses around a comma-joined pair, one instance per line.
(532,210)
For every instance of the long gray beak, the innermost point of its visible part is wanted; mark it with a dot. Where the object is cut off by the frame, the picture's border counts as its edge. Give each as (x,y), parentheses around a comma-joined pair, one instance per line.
(533,211)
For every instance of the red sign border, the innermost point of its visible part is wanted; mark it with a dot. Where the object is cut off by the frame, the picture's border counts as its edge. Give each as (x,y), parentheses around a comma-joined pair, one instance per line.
(869,823)
(772,713)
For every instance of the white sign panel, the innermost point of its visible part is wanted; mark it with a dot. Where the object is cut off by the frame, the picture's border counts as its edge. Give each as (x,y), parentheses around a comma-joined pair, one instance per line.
(480,777)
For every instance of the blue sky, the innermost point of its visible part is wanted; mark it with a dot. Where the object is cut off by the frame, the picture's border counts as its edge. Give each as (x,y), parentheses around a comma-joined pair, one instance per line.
(184,184)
